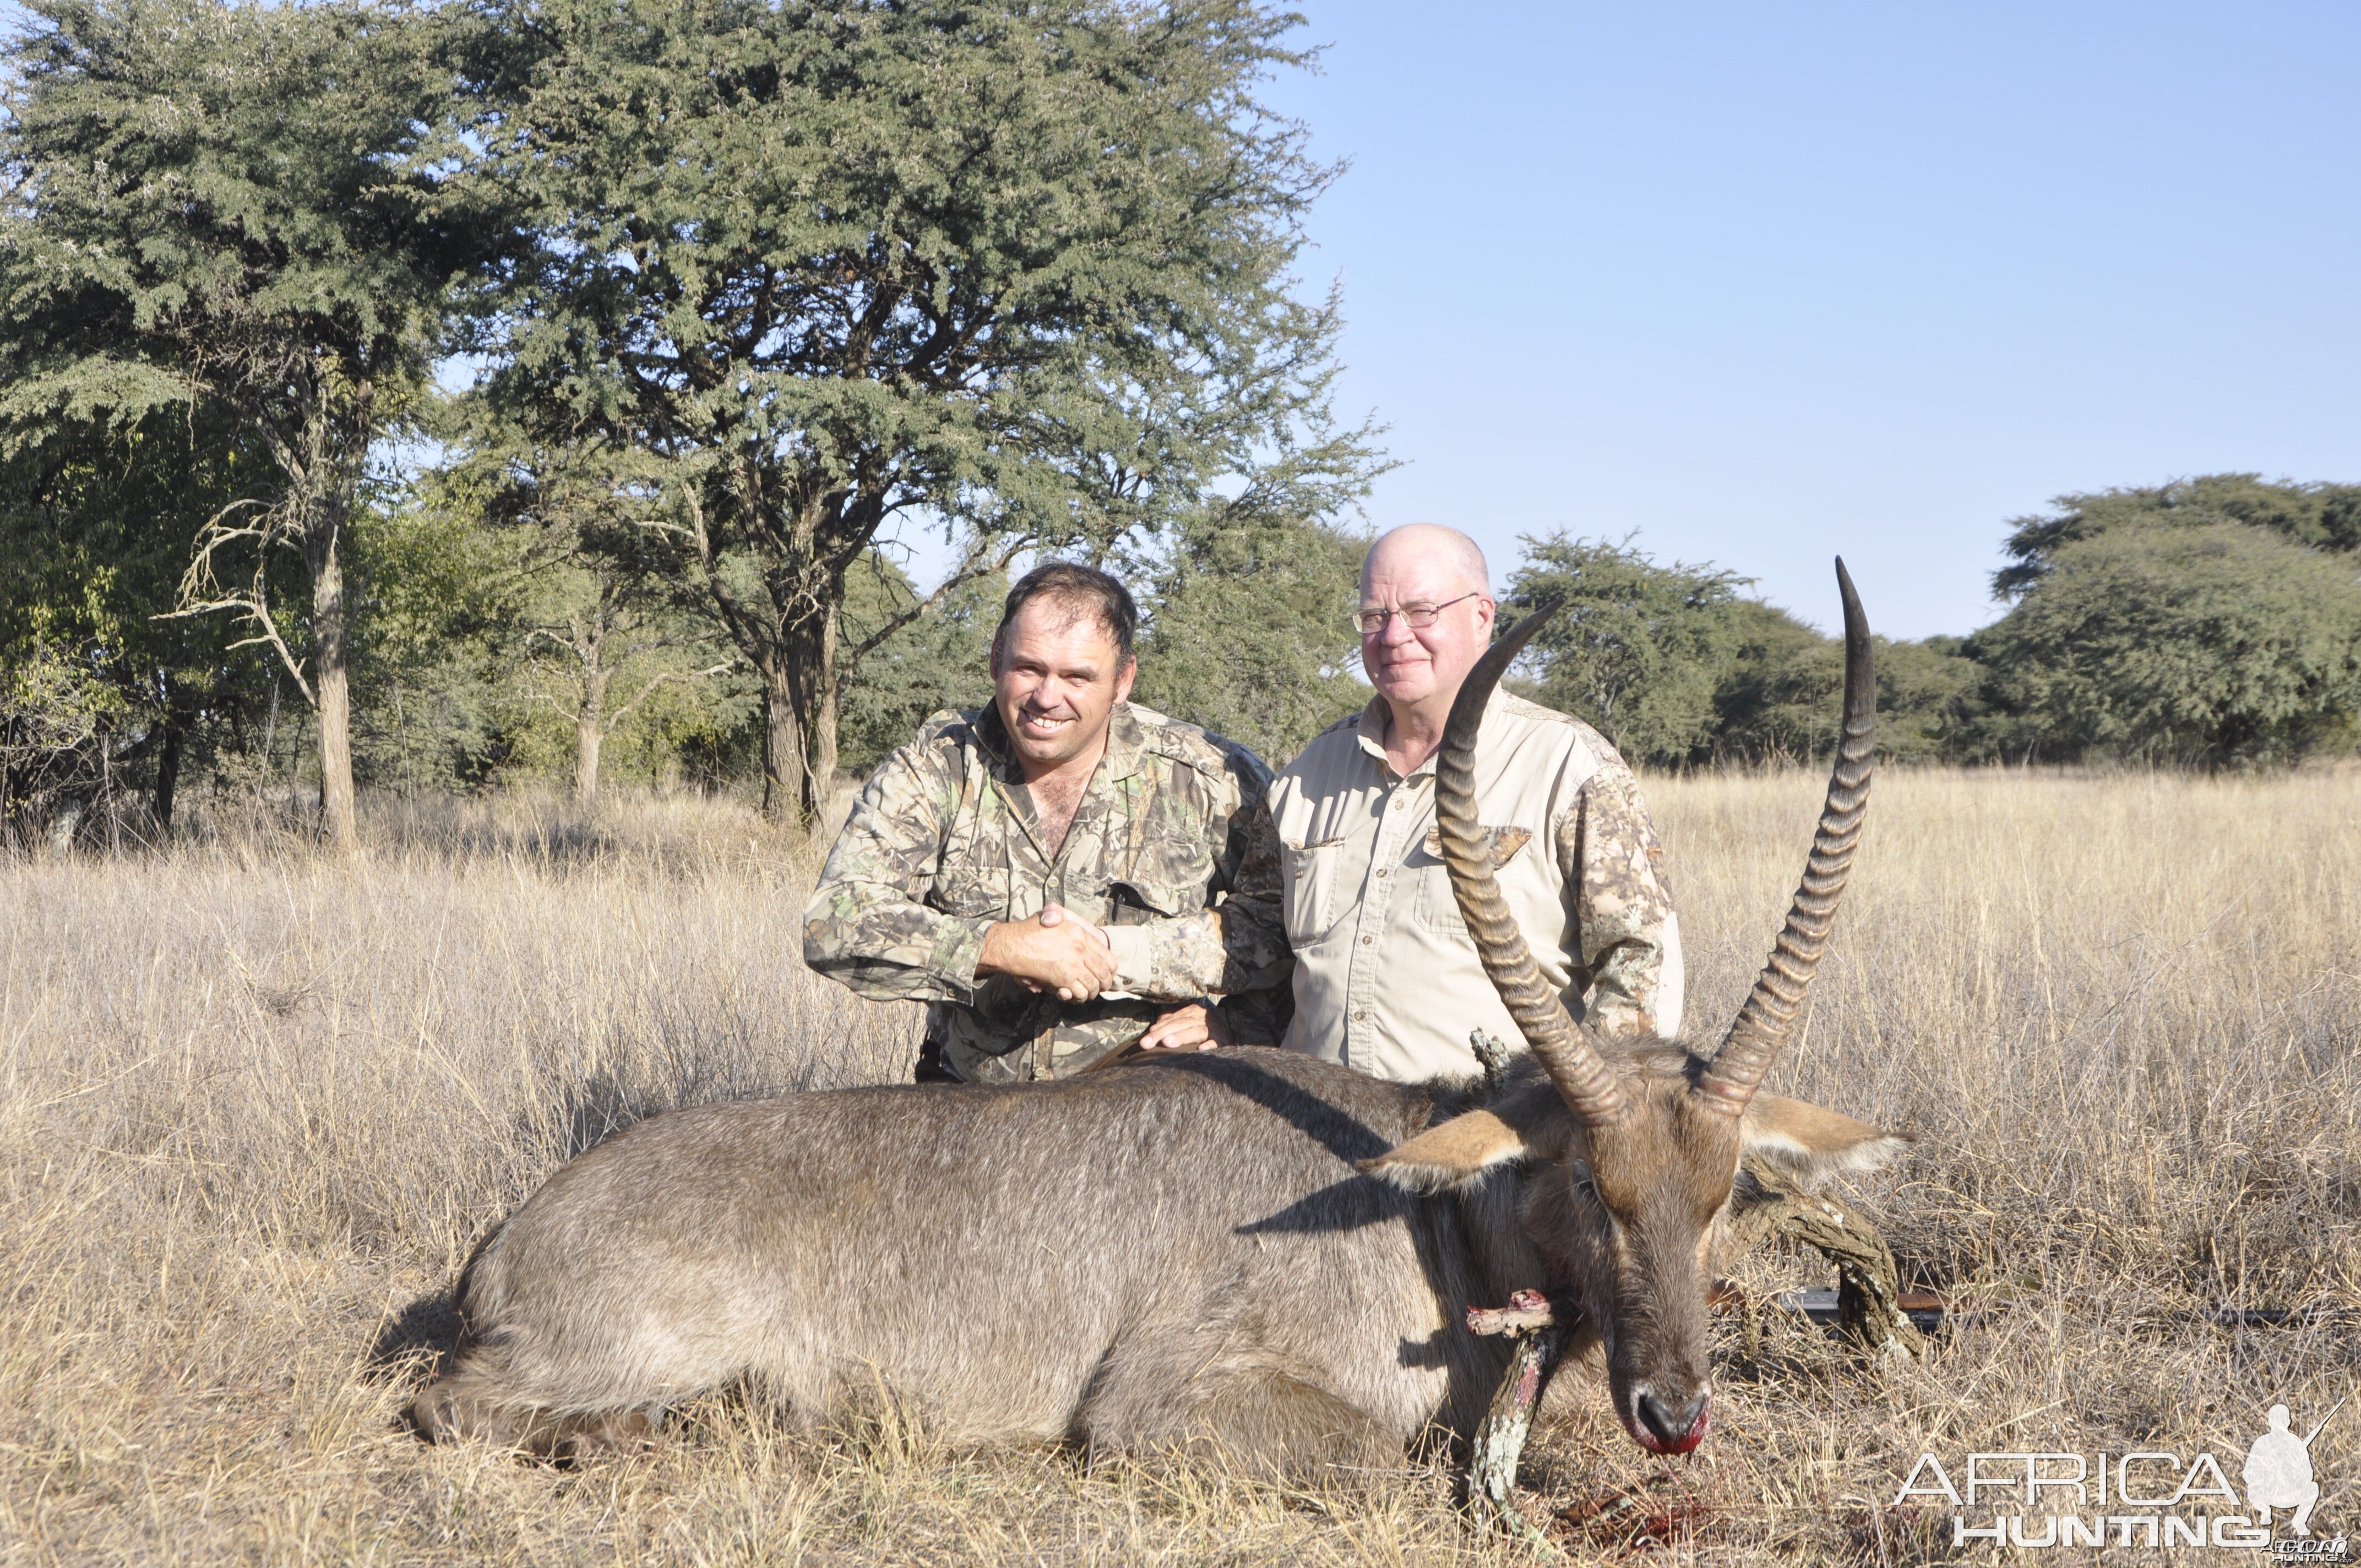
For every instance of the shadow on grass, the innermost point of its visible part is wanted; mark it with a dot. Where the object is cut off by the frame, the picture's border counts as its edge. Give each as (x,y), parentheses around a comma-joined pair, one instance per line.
(410,1345)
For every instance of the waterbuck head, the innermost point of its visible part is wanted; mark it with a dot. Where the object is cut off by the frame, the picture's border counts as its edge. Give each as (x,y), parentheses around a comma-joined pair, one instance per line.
(1631,1152)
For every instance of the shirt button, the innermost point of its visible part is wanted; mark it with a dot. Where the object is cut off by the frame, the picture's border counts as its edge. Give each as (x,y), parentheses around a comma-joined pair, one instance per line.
(1359,1014)
(1367,940)
(1381,874)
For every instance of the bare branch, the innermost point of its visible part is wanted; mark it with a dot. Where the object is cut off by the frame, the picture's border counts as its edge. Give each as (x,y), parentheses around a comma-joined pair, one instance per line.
(979,563)
(616,716)
(201,592)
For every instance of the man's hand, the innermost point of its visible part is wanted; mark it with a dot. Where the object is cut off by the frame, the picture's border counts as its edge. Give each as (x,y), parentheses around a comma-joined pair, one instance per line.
(1055,951)
(1197,1027)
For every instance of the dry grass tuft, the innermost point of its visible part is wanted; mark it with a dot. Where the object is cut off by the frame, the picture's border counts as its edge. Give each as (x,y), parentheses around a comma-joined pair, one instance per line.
(254,1108)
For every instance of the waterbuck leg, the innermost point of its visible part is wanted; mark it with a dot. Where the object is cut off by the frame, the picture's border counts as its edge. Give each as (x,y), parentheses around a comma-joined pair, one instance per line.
(1499,1441)
(1266,1417)
(450,1409)
(1289,1427)
(1869,1282)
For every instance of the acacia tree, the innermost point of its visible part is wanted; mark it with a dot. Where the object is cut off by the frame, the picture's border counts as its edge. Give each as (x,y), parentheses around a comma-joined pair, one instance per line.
(590,595)
(999,267)
(1642,646)
(2325,517)
(95,529)
(235,209)
(2212,643)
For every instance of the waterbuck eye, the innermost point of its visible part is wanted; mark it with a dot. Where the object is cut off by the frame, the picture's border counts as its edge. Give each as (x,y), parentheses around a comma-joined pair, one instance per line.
(1579,1173)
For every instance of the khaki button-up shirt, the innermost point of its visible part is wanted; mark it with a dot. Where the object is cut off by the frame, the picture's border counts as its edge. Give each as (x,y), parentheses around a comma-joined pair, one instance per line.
(1387,979)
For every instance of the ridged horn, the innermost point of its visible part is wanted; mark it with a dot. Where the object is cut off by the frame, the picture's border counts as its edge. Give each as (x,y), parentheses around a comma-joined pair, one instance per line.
(1768,1016)
(1589,1085)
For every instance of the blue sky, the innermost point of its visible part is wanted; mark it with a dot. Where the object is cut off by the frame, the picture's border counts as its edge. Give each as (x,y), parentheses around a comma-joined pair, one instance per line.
(1769,283)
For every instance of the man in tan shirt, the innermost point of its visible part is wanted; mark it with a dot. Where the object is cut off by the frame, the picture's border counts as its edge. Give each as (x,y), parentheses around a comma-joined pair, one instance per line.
(1386,978)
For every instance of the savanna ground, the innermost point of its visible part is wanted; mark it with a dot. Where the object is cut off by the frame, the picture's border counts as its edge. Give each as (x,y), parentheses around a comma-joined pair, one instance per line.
(255,1107)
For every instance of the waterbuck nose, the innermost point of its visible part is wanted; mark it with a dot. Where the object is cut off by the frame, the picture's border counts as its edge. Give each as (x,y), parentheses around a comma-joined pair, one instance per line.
(1677,1427)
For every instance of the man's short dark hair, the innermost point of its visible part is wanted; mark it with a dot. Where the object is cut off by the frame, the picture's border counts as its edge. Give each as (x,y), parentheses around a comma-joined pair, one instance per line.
(1088,590)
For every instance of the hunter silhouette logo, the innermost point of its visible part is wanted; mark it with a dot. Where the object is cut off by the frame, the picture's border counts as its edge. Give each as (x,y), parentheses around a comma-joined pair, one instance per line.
(2279,1472)
(2145,1497)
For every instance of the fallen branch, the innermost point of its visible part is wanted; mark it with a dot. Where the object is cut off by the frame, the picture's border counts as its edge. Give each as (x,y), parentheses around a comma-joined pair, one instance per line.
(1499,1441)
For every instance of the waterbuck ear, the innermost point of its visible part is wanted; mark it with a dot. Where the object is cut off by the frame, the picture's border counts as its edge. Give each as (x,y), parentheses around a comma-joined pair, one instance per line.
(1451,1154)
(1805,1141)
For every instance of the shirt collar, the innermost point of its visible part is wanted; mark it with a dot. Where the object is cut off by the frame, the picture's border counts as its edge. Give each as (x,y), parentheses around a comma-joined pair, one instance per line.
(1370,730)
(1126,744)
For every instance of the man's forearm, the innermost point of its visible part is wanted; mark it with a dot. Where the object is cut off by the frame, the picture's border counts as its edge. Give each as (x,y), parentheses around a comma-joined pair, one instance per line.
(1209,952)
(894,951)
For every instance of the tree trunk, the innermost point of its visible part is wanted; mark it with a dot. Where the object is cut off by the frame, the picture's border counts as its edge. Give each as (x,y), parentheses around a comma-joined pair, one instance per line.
(168,772)
(810,657)
(334,690)
(590,730)
(799,739)
(783,746)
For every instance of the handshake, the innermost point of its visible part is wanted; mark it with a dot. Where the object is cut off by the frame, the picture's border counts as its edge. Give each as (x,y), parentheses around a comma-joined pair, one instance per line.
(1054,950)
(1057,951)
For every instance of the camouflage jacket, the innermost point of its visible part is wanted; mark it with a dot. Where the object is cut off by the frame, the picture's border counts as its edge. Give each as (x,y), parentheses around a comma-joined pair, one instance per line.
(943,843)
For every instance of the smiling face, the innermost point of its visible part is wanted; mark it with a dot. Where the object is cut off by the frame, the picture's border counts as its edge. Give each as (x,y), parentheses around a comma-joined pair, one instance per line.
(1057,677)
(1423,668)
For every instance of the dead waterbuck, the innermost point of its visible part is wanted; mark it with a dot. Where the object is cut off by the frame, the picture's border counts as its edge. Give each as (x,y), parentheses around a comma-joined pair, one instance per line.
(1250,1248)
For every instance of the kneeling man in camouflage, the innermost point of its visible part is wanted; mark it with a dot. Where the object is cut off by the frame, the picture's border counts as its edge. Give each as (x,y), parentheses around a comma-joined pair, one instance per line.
(1057,873)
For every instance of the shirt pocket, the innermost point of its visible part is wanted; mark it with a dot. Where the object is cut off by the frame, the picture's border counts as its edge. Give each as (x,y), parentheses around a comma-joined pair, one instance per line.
(1309,872)
(1168,875)
(1136,900)
(974,879)
(1438,906)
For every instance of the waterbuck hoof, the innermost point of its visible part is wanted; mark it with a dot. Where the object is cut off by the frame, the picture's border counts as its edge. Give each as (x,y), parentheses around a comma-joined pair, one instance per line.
(446,1414)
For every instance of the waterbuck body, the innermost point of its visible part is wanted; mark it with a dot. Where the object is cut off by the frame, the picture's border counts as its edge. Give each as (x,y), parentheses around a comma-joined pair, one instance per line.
(1170,1249)
(1249,1248)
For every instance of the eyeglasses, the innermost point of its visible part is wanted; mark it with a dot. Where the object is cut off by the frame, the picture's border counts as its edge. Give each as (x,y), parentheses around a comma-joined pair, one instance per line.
(1417,617)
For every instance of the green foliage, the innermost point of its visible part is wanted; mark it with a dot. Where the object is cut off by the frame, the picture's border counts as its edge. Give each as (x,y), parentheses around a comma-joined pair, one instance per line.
(1250,633)
(752,280)
(942,658)
(1780,697)
(437,600)
(2324,516)
(94,531)
(227,204)
(1019,268)
(1638,650)
(236,213)
(2194,642)
(1676,669)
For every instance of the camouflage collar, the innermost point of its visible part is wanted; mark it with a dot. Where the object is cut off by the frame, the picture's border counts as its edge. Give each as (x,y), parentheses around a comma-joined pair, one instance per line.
(1126,744)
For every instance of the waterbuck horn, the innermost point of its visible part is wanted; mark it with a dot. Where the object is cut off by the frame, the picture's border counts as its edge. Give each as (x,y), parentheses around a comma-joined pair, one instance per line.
(1589,1085)
(1768,1015)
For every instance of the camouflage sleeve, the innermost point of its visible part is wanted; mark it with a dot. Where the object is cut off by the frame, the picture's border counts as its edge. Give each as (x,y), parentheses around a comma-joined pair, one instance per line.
(867,925)
(1240,946)
(1259,1017)
(1613,866)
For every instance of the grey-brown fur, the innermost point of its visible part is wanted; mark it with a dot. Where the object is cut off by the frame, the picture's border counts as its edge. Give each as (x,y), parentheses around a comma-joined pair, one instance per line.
(1140,1258)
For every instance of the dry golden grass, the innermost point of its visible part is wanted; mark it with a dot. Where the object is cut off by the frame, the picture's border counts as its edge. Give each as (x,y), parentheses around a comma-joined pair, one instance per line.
(255,1107)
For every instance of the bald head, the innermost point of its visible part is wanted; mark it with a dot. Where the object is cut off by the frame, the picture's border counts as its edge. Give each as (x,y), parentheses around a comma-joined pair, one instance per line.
(1444,554)
(1417,669)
